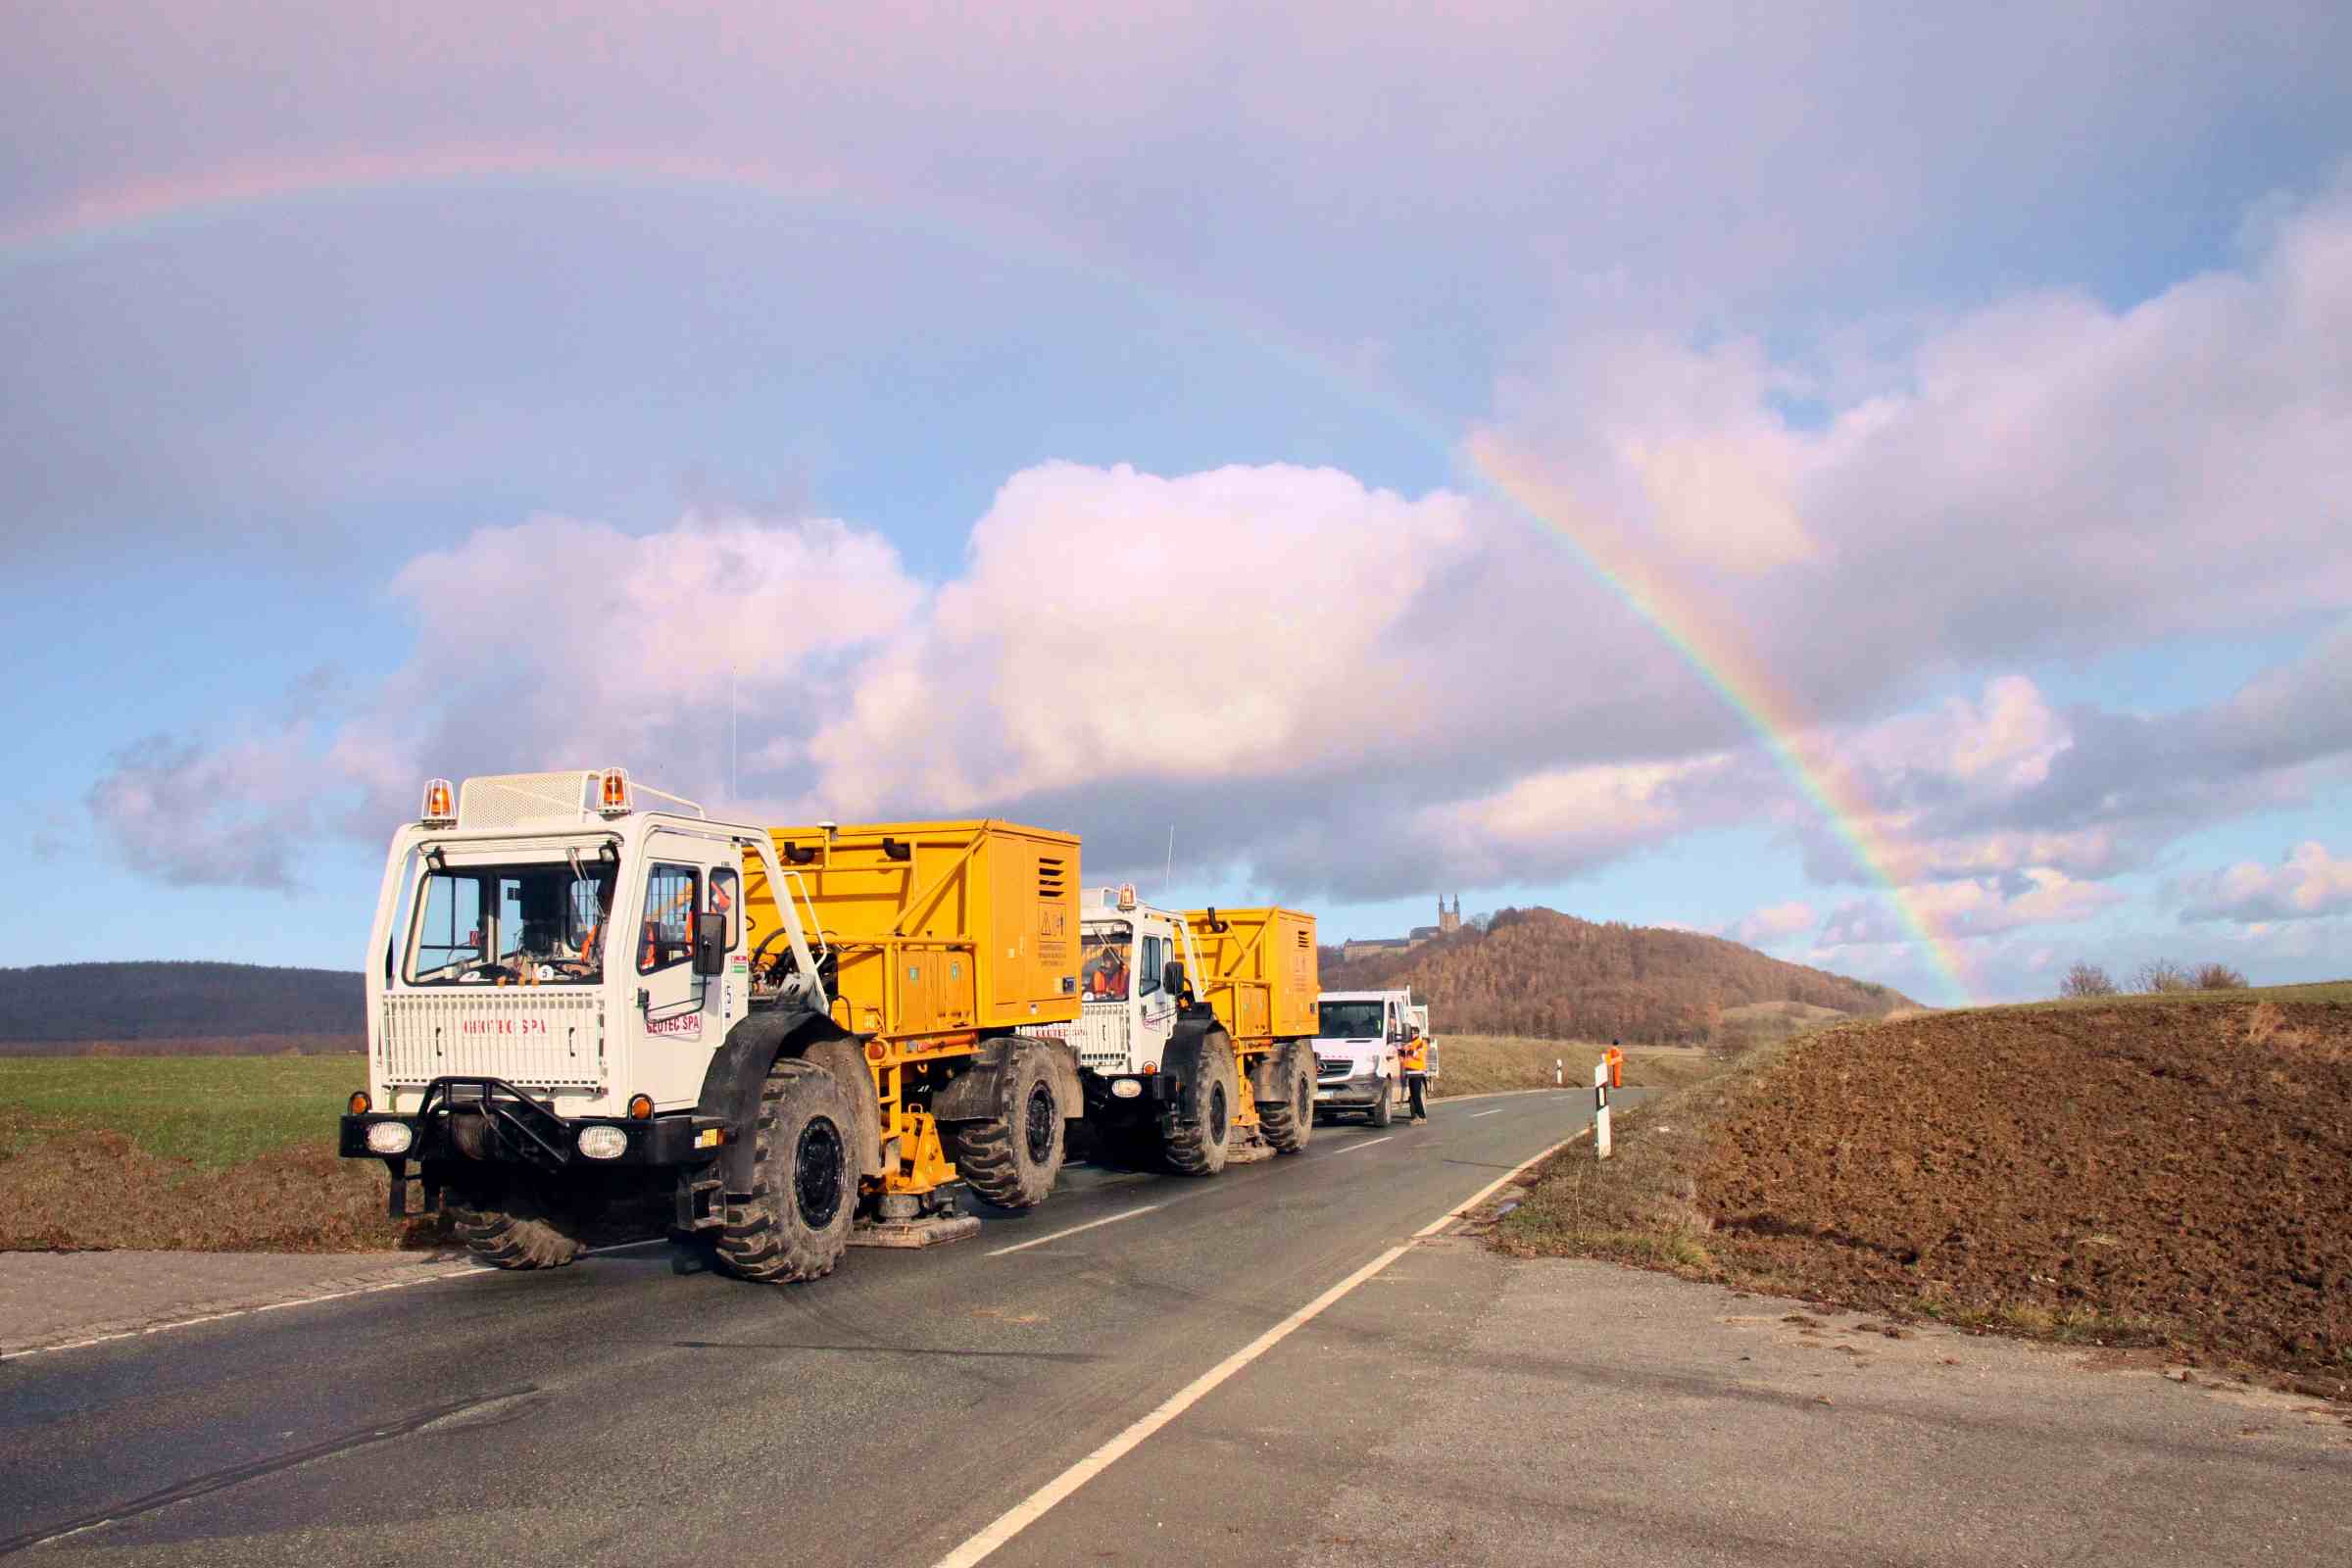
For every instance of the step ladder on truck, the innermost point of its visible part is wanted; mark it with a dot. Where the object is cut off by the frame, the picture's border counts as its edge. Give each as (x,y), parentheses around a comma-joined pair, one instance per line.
(1193,1035)
(587,996)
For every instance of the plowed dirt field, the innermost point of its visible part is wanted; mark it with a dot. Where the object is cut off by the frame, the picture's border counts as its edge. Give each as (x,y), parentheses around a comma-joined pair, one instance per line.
(2135,1173)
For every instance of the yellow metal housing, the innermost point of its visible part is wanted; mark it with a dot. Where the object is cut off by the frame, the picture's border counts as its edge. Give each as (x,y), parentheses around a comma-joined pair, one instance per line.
(1260,976)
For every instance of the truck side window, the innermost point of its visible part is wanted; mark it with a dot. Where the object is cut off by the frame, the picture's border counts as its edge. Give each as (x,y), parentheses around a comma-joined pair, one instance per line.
(672,893)
(724,899)
(1155,960)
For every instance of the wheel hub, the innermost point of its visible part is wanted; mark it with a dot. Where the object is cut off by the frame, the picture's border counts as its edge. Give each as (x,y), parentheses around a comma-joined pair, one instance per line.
(1038,1116)
(1216,1114)
(816,1169)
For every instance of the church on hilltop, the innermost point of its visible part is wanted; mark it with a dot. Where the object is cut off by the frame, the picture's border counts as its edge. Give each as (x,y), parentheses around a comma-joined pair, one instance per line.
(1449,922)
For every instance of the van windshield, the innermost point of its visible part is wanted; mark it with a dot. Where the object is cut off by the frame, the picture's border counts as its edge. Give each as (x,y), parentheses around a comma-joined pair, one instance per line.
(538,925)
(1349,1020)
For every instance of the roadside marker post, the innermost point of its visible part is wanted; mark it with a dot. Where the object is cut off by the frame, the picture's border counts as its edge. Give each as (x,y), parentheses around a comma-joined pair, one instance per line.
(1559,1073)
(1601,1108)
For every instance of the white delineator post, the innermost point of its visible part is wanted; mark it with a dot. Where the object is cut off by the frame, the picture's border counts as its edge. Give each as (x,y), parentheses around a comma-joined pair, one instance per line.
(1600,1109)
(1559,1073)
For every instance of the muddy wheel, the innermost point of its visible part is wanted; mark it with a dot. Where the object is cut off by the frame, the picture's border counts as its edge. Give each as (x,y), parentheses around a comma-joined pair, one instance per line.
(1383,1109)
(795,1223)
(1290,1121)
(1012,1161)
(515,1228)
(1199,1145)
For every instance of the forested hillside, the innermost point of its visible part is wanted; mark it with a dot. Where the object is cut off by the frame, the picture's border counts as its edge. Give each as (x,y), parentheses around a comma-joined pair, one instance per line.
(126,1001)
(1547,974)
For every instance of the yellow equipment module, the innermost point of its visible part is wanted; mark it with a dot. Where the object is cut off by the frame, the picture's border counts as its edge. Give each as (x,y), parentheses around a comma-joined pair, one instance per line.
(935,926)
(936,944)
(1258,972)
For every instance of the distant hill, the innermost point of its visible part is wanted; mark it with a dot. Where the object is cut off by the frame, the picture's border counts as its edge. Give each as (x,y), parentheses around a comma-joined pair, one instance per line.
(1546,974)
(139,1002)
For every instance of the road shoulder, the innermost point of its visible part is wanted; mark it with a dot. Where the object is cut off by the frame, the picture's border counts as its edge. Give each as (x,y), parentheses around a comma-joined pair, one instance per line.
(52,1300)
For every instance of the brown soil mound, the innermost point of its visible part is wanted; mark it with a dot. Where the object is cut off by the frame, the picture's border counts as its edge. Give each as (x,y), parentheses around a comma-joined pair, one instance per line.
(97,1191)
(2142,1172)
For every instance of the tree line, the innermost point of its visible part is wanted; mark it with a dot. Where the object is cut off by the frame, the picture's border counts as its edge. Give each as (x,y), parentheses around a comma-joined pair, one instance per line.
(1542,973)
(2154,977)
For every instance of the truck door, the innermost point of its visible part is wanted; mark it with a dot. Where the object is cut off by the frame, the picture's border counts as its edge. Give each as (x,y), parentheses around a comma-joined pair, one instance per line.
(1155,1008)
(680,1015)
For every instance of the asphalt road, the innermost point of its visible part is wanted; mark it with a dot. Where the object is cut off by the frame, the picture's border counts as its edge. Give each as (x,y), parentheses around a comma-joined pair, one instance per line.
(617,1411)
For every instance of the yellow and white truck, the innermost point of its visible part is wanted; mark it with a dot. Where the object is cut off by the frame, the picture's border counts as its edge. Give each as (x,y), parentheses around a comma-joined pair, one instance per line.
(583,992)
(1193,1032)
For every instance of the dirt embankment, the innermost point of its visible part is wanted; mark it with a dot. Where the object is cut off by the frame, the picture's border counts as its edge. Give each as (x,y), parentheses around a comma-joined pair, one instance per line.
(99,1189)
(2142,1173)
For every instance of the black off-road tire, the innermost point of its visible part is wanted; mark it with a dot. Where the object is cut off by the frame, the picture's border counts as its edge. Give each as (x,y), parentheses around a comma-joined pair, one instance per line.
(1012,1160)
(1204,1132)
(795,1223)
(1288,1123)
(516,1228)
(1383,1109)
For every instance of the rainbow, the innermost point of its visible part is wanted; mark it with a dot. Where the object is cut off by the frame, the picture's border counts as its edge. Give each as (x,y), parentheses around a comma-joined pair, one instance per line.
(1703,640)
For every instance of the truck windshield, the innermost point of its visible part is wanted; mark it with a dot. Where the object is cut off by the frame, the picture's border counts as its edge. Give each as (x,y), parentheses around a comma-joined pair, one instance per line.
(541,924)
(1349,1020)
(1103,969)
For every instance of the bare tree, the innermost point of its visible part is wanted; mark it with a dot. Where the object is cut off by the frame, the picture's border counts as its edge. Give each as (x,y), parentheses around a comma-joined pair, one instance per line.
(2087,980)
(2160,974)
(2219,977)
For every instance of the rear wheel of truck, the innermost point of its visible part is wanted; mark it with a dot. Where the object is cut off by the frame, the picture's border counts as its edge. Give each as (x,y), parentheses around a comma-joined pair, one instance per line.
(514,1227)
(795,1223)
(1383,1107)
(1199,1145)
(1012,1161)
(1290,1121)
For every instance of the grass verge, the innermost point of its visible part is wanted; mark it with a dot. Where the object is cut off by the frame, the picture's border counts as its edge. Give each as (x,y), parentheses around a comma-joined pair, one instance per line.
(1480,1065)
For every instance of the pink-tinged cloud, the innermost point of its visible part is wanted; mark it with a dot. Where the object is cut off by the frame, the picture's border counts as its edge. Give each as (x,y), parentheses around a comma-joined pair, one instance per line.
(2309,882)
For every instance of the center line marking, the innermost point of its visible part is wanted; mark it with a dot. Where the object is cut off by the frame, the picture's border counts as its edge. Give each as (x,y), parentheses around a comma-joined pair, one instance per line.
(1497,1111)
(1108,1219)
(1367,1144)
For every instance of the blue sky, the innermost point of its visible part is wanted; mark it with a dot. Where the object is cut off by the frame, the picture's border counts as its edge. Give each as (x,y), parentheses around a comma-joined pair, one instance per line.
(1111,417)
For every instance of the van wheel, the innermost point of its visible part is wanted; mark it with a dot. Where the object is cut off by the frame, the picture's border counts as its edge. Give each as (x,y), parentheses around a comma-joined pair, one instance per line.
(1383,1109)
(1290,1121)
(795,1223)
(515,1228)
(1204,1134)
(1012,1161)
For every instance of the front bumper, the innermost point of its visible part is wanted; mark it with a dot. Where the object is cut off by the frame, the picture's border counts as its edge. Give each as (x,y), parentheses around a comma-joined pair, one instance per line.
(1361,1089)
(1153,1094)
(488,1121)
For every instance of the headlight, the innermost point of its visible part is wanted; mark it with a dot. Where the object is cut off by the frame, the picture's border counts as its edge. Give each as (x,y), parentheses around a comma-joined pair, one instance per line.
(1126,1087)
(604,1142)
(390,1138)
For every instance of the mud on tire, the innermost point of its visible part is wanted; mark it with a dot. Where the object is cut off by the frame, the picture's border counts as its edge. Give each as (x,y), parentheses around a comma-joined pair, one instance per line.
(795,1223)
(1204,1132)
(1288,1122)
(1011,1160)
(1383,1109)
(514,1227)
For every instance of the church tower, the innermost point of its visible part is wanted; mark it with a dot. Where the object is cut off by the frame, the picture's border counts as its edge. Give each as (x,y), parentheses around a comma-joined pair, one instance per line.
(1450,920)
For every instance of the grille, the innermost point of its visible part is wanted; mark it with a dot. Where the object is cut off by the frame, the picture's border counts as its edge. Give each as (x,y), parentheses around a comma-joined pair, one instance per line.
(1049,876)
(517,800)
(1334,1066)
(524,1036)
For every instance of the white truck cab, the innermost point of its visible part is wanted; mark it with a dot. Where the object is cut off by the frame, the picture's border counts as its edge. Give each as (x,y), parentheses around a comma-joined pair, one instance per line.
(1127,1008)
(1360,1040)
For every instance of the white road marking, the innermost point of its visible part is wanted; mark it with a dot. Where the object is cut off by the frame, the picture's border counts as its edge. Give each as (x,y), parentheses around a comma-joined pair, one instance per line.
(1021,1515)
(1366,1144)
(458,1271)
(1497,1111)
(1109,1219)
(1033,1508)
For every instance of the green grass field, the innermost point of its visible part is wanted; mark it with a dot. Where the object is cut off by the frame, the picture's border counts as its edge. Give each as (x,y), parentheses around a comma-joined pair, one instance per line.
(1478,1064)
(214,1111)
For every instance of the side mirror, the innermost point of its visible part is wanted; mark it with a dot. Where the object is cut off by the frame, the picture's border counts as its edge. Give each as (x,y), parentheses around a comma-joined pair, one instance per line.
(709,943)
(1171,978)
